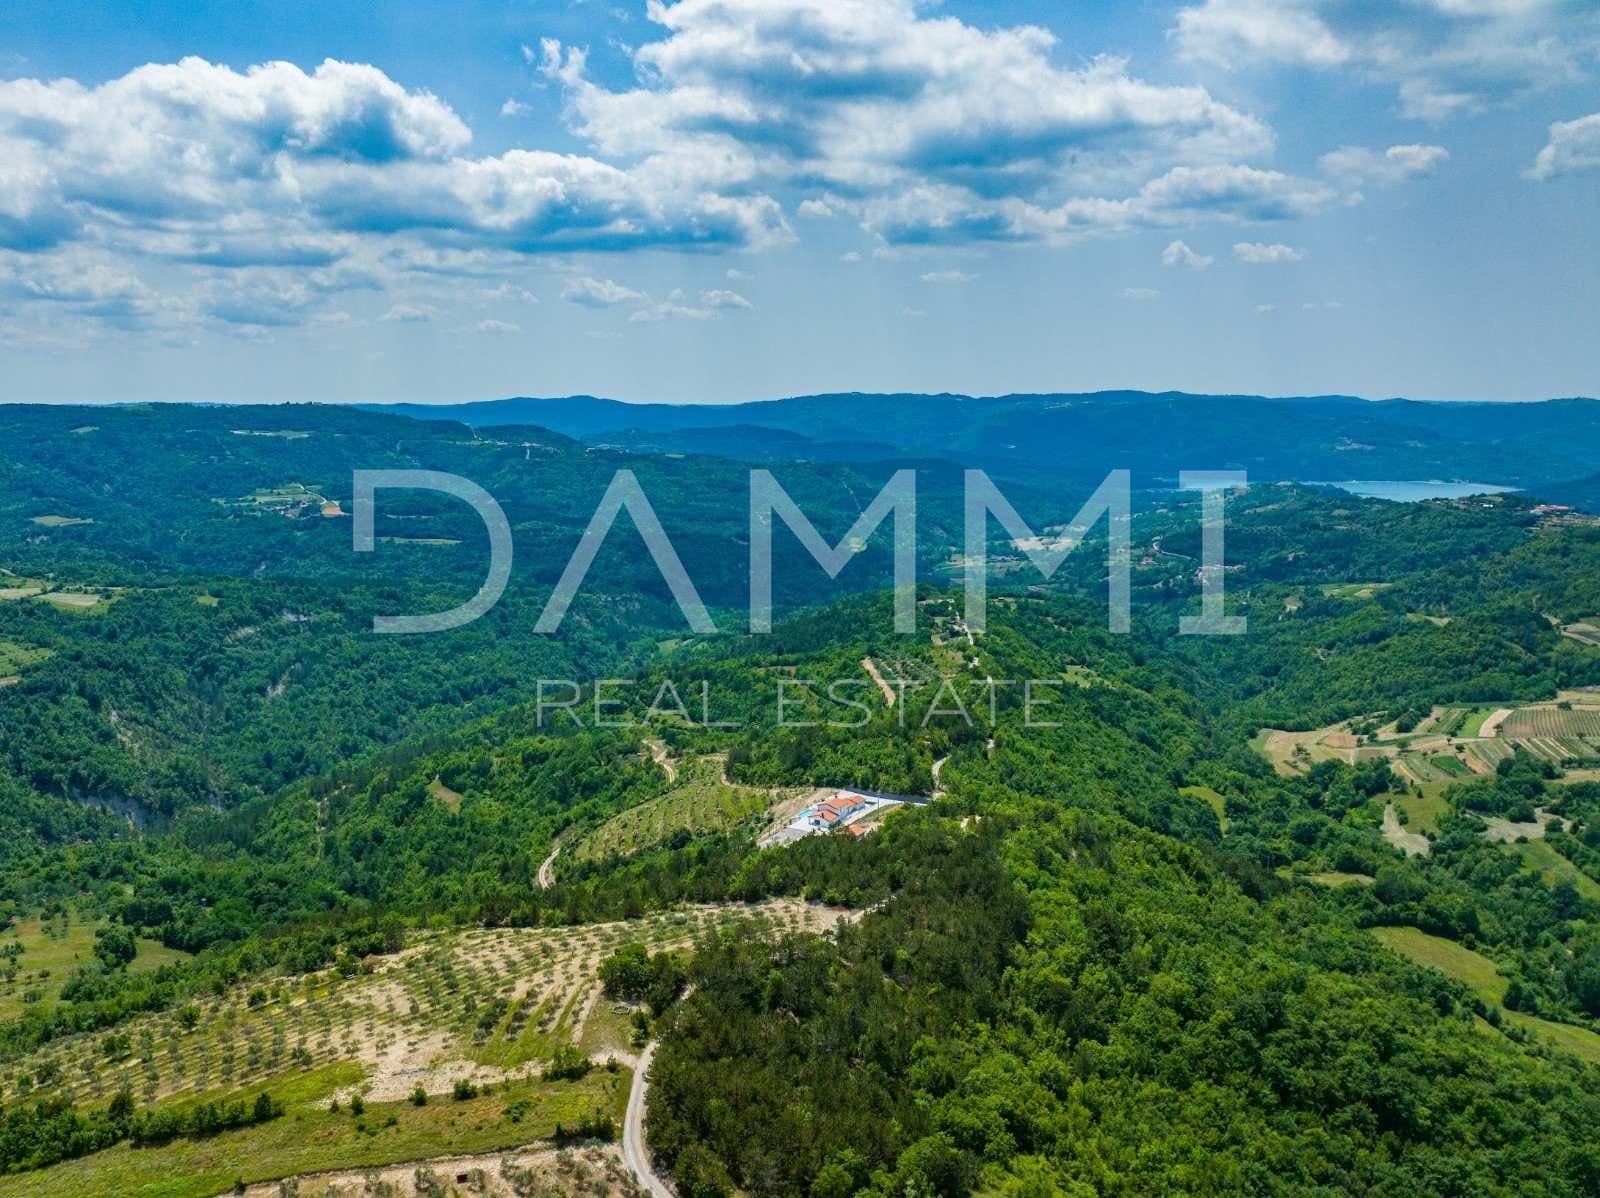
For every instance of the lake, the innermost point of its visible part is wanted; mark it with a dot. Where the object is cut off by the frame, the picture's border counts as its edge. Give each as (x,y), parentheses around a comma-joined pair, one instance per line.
(1411,492)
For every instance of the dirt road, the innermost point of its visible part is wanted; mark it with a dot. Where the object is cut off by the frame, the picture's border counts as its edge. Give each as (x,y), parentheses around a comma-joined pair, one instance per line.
(634,1151)
(547,868)
(658,754)
(1412,844)
(871,667)
(1491,726)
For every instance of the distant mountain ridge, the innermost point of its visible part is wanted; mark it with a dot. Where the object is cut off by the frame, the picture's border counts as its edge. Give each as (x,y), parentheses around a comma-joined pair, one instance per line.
(1082,435)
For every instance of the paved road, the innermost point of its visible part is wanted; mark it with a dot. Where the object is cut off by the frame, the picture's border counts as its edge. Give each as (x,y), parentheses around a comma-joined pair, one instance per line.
(634,1151)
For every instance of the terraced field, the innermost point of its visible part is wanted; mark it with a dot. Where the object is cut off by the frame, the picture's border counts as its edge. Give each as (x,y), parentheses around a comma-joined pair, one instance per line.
(1451,745)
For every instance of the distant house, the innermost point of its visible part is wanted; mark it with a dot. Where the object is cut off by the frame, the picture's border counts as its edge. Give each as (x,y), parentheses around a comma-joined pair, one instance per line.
(829,812)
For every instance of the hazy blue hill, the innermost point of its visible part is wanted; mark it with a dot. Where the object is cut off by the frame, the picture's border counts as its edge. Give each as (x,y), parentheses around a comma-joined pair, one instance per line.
(747,441)
(1079,436)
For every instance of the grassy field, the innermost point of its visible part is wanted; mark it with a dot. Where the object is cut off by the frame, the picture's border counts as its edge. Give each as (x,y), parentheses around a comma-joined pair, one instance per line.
(76,601)
(309,1138)
(1295,752)
(1334,877)
(1479,974)
(1461,721)
(1476,971)
(1211,799)
(1354,590)
(15,658)
(1422,814)
(700,802)
(446,796)
(51,950)
(60,521)
(1540,857)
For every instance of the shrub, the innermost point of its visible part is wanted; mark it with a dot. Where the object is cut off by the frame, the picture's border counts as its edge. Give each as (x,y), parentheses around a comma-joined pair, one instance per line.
(568,1065)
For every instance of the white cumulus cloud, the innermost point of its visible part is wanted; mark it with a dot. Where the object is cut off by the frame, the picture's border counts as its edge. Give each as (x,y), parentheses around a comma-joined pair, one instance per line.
(1178,253)
(339,176)
(1574,146)
(722,298)
(1357,165)
(599,293)
(886,106)
(1442,56)
(409,313)
(1259,254)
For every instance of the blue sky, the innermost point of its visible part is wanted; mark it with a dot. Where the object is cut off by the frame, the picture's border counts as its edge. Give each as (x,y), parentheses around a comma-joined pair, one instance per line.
(736,199)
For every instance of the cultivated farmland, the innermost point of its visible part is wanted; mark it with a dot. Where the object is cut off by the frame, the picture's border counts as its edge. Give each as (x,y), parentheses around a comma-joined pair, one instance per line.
(1550,721)
(474,1004)
(487,1008)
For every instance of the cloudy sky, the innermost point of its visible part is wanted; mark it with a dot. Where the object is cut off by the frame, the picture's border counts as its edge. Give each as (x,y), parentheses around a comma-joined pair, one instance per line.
(732,199)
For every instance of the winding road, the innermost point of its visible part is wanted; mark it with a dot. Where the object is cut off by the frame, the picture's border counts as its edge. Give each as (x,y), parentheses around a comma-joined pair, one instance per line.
(547,868)
(634,1151)
(659,755)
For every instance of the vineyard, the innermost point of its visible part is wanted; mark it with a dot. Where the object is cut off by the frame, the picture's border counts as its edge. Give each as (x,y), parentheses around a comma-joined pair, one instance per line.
(1552,722)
